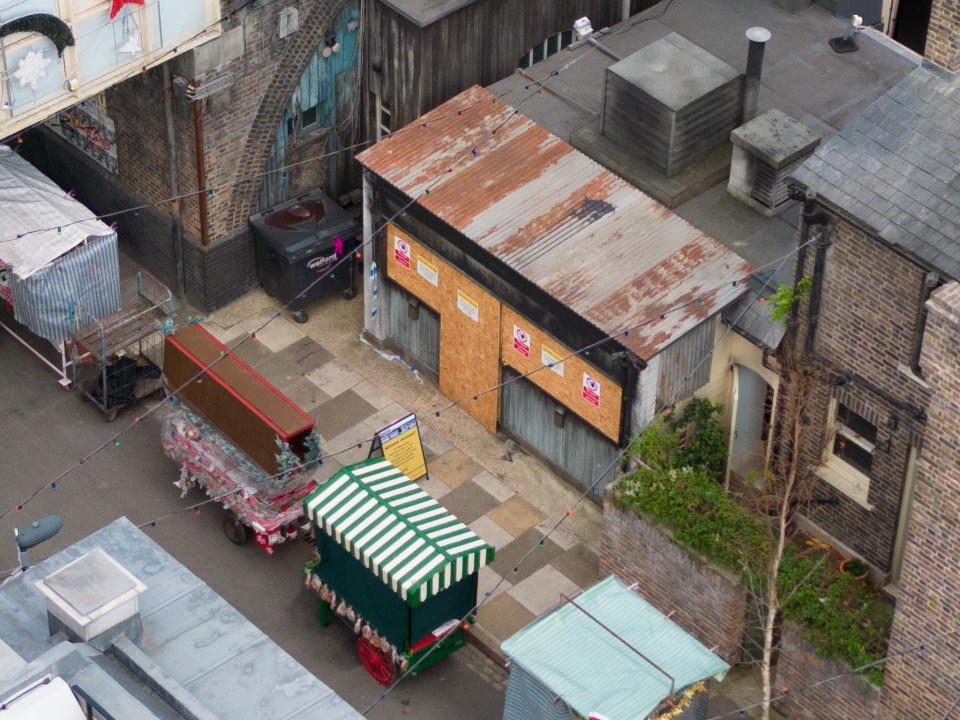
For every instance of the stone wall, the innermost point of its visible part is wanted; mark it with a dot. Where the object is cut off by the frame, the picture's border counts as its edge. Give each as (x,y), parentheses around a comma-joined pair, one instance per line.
(943,40)
(706,601)
(923,675)
(848,697)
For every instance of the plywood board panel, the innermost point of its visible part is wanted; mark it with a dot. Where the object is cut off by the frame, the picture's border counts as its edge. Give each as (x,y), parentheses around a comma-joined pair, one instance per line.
(572,381)
(415,268)
(470,346)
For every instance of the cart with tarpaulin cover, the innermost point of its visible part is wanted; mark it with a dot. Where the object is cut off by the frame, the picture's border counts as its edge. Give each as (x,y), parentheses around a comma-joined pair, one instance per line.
(304,250)
(55,255)
(394,565)
(238,438)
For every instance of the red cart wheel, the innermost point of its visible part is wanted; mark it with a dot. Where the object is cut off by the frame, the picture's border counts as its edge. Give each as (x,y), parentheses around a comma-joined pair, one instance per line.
(375,661)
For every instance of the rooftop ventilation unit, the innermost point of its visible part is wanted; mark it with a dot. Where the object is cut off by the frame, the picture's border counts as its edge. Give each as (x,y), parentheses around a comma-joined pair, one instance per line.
(671,103)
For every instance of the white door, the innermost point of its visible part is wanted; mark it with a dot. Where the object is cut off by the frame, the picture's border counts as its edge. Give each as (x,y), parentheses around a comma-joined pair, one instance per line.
(747,447)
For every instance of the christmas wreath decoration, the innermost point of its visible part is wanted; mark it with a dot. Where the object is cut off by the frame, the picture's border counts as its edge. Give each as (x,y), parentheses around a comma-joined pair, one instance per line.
(50,26)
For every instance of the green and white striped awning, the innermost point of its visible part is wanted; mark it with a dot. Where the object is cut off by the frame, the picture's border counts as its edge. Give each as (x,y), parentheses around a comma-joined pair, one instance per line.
(400,533)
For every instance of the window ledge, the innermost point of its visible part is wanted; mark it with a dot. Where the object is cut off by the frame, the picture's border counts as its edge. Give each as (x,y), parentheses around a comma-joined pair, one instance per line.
(908,373)
(853,484)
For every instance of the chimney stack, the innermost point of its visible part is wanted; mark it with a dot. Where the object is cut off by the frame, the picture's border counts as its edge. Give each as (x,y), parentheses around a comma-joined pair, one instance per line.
(758,37)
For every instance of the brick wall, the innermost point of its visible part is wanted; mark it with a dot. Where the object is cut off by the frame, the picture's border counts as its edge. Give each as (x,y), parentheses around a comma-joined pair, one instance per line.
(869,311)
(849,697)
(708,602)
(943,40)
(926,682)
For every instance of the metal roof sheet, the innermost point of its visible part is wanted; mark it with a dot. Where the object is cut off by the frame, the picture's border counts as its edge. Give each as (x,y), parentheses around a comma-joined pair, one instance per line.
(592,241)
(594,671)
(400,533)
(30,200)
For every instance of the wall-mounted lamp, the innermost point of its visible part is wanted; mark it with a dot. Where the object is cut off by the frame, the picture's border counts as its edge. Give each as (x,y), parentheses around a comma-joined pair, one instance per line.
(71,85)
(413,309)
(559,416)
(892,422)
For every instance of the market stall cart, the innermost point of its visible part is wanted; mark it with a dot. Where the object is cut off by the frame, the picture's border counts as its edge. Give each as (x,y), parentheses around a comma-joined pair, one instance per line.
(238,437)
(394,565)
(116,360)
(54,254)
(304,250)
(266,507)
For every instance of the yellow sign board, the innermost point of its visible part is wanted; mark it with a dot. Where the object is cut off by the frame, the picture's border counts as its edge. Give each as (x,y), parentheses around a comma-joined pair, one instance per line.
(401,445)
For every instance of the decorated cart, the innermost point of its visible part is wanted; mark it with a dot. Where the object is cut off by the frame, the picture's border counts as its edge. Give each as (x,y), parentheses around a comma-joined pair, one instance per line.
(238,437)
(266,507)
(394,565)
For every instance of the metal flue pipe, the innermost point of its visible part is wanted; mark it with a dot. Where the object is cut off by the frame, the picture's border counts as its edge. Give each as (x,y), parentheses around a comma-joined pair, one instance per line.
(758,37)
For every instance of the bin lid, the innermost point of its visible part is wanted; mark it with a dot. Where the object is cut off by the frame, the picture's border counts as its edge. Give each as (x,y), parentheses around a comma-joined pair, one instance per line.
(304,225)
(400,533)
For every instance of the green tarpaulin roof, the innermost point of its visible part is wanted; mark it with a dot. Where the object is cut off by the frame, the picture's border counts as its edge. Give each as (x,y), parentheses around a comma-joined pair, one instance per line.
(593,671)
(400,533)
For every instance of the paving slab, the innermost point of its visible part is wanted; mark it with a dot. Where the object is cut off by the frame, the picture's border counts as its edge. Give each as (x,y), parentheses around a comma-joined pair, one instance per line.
(433,487)
(468,501)
(580,564)
(304,393)
(492,485)
(381,418)
(327,470)
(542,591)
(334,378)
(250,305)
(278,332)
(293,362)
(252,351)
(454,468)
(517,516)
(434,443)
(372,394)
(558,533)
(502,616)
(490,581)
(490,532)
(338,414)
(351,446)
(514,562)
(224,335)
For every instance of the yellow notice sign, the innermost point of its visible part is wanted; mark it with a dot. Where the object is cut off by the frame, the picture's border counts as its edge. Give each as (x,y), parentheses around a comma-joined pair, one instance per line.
(401,445)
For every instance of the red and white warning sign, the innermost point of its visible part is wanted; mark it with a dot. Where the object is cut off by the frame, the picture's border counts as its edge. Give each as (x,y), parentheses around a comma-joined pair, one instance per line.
(591,390)
(401,251)
(521,341)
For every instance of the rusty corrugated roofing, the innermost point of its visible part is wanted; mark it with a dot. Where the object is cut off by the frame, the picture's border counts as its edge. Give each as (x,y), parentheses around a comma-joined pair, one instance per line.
(613,255)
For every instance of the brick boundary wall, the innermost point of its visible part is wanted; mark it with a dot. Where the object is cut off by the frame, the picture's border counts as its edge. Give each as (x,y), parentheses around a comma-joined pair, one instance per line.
(943,43)
(850,697)
(708,602)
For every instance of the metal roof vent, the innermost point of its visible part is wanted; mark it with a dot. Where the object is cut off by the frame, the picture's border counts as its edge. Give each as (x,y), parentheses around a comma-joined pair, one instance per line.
(671,102)
(94,599)
(766,151)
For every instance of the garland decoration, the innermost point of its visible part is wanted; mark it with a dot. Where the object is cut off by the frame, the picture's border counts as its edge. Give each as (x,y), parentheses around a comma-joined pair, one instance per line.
(50,26)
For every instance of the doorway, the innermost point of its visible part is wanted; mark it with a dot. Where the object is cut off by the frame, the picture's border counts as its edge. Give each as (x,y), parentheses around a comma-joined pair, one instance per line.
(751,414)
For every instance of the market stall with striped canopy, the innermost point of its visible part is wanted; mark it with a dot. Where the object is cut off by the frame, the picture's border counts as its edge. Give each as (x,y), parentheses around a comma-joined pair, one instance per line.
(393,564)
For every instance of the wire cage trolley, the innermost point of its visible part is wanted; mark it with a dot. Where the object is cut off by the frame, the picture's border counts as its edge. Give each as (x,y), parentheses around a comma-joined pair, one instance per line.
(266,507)
(394,565)
(116,359)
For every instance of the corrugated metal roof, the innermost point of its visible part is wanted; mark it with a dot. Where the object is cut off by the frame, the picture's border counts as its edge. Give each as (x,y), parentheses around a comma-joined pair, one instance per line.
(30,200)
(593,671)
(591,240)
(400,533)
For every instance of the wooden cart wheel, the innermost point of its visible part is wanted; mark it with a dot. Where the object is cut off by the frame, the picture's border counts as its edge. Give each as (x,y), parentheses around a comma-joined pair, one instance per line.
(375,661)
(299,316)
(235,531)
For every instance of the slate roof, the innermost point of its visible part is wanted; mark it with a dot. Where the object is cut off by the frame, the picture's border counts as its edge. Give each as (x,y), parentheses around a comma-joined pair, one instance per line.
(895,168)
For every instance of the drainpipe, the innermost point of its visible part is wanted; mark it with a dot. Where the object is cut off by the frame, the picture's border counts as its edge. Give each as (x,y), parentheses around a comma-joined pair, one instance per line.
(930,282)
(176,225)
(631,366)
(201,171)
(816,288)
(626,9)
(758,37)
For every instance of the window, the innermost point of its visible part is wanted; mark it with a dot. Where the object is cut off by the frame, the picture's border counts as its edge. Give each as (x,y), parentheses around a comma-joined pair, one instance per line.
(551,46)
(384,117)
(854,439)
(848,455)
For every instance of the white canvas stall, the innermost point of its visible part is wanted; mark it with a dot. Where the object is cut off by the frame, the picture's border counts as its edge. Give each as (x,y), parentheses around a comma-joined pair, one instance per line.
(54,254)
